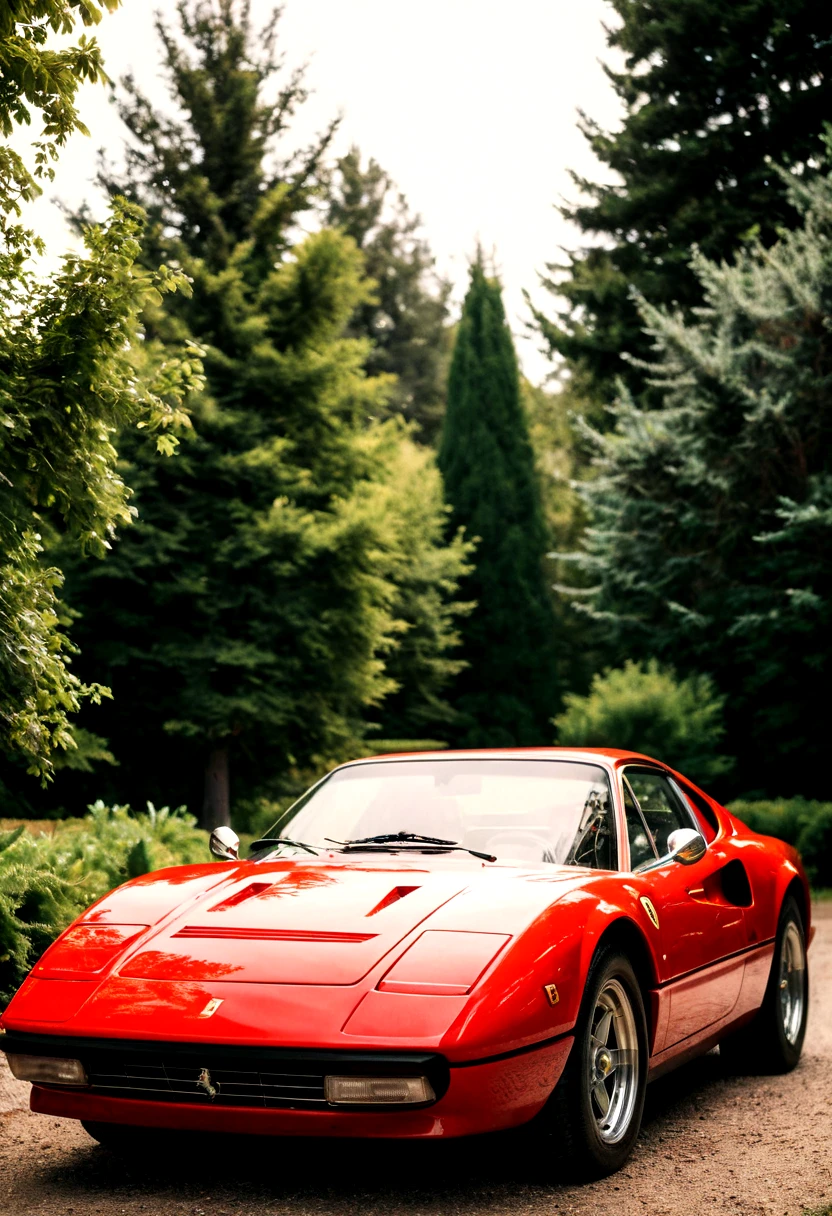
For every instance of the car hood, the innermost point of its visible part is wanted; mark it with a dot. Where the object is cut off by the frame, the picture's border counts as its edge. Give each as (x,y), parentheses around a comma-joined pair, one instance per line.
(303,925)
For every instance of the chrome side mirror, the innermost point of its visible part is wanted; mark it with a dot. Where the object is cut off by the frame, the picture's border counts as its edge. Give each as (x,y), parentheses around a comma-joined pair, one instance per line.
(686,846)
(225,843)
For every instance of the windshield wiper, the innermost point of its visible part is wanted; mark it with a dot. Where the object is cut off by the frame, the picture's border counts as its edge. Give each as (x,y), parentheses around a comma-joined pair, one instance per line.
(382,843)
(272,843)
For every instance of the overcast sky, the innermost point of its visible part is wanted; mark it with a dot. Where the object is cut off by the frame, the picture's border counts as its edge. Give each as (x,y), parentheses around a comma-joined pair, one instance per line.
(469,104)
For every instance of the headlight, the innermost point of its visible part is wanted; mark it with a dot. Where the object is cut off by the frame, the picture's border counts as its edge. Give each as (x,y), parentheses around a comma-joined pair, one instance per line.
(85,949)
(47,1070)
(377,1091)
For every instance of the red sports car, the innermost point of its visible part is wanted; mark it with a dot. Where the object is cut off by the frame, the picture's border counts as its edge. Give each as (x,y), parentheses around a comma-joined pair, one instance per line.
(430,945)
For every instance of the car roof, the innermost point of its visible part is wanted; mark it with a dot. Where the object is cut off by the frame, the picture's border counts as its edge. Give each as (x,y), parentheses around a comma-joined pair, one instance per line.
(613,756)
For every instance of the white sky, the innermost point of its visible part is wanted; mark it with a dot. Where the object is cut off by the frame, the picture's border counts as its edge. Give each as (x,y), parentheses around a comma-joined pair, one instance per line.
(470,105)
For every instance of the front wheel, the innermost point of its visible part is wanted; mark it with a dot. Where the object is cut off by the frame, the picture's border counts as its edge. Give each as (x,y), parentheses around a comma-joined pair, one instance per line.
(772,1043)
(595,1111)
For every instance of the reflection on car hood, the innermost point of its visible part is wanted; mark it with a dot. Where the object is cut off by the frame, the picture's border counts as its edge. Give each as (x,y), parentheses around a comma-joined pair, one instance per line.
(303,925)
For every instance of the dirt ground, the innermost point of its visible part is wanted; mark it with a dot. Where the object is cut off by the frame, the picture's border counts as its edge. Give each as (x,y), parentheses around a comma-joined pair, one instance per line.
(709,1144)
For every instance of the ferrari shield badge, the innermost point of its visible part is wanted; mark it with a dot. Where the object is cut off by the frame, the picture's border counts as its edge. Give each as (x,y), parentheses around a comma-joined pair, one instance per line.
(551,993)
(647,904)
(211,1008)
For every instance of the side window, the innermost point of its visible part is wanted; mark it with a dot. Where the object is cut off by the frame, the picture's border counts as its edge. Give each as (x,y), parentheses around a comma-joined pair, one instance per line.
(662,810)
(641,848)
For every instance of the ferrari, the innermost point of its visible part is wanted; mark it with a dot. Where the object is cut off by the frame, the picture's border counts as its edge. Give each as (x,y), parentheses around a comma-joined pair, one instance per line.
(430,945)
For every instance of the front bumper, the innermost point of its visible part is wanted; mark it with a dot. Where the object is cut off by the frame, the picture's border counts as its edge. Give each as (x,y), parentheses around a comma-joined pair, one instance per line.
(474,1097)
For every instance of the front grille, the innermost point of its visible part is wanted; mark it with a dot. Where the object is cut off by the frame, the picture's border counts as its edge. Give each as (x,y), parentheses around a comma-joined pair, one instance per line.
(212,1081)
(266,1076)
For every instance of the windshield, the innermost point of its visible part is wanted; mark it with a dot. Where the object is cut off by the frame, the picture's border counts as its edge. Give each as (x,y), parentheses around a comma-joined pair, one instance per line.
(533,811)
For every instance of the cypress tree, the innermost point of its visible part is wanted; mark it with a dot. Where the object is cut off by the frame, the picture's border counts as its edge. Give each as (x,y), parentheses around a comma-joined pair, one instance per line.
(508,692)
(711,514)
(713,94)
(245,620)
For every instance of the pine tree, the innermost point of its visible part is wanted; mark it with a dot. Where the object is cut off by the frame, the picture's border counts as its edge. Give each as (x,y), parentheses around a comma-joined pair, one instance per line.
(407,317)
(508,693)
(711,527)
(713,95)
(246,618)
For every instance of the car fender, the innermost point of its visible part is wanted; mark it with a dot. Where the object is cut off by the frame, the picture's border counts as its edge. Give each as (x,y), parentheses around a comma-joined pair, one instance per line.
(533,991)
(773,868)
(790,877)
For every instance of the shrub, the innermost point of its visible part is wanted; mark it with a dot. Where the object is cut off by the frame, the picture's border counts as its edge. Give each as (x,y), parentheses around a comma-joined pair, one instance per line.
(649,709)
(805,824)
(48,879)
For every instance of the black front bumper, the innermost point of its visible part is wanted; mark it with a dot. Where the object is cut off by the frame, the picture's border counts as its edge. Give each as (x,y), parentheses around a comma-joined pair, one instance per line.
(222,1074)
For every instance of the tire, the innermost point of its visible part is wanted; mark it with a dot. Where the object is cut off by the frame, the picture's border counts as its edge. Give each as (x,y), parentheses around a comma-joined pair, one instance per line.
(773,1041)
(591,1143)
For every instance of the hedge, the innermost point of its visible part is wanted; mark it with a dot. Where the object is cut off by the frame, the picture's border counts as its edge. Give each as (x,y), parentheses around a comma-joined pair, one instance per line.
(46,880)
(805,824)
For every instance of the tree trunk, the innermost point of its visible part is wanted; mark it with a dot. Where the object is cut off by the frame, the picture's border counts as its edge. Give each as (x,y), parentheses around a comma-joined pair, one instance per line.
(216,809)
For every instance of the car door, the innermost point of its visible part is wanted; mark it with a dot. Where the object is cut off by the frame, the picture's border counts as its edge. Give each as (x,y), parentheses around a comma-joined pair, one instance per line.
(702,934)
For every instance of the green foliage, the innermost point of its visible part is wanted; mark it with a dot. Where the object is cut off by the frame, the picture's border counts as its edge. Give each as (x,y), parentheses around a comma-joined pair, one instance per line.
(562,460)
(713,95)
(556,446)
(279,561)
(217,183)
(138,860)
(426,573)
(88,751)
(48,880)
(407,316)
(67,380)
(36,77)
(805,824)
(649,709)
(508,691)
(712,514)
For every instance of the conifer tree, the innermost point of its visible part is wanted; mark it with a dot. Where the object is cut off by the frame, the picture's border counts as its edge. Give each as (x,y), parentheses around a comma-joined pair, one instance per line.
(714,95)
(246,618)
(508,692)
(711,515)
(407,316)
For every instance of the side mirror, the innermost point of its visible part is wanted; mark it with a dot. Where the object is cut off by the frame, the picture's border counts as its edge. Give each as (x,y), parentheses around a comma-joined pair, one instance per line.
(686,846)
(225,844)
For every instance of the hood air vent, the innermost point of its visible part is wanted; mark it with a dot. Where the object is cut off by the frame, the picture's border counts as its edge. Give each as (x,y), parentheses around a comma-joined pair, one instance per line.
(253,888)
(271,935)
(392,897)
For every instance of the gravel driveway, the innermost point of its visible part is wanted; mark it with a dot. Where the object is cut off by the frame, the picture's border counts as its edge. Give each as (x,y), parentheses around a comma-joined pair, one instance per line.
(709,1144)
